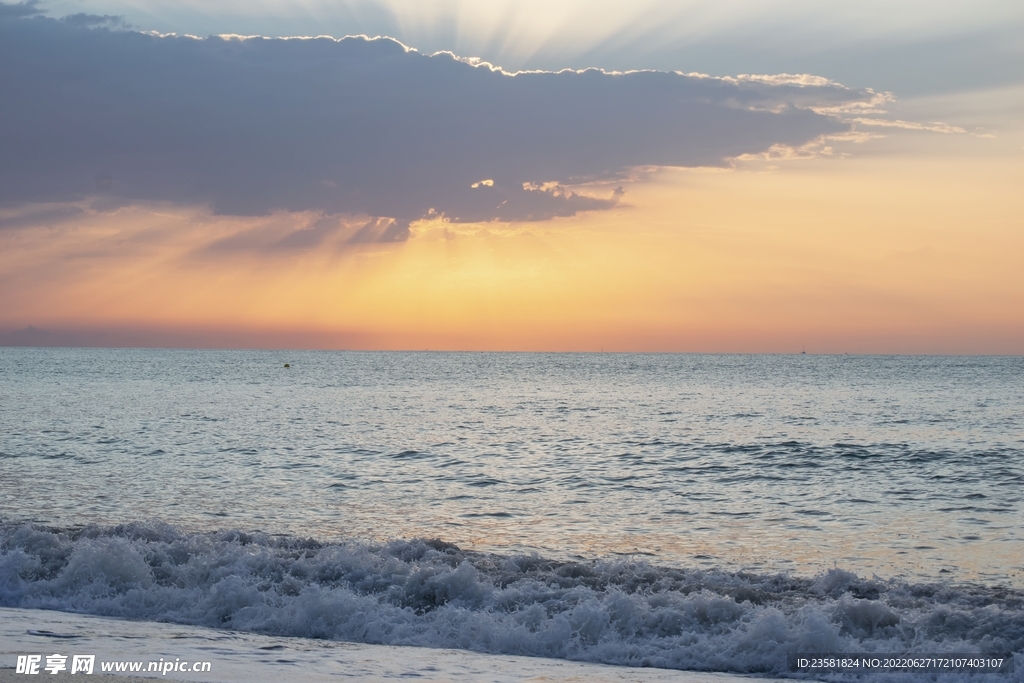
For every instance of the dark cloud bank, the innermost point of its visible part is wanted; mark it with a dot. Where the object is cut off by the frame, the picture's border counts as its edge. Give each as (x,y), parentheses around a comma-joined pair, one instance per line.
(353,126)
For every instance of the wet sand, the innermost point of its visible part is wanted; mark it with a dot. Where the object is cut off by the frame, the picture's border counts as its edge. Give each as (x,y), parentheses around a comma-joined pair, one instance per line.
(251,658)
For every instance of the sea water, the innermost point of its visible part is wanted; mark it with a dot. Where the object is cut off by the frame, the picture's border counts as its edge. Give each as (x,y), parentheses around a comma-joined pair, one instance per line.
(686,511)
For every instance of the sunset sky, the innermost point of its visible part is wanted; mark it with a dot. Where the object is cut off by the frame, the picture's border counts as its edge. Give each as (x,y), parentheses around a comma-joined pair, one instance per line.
(728,176)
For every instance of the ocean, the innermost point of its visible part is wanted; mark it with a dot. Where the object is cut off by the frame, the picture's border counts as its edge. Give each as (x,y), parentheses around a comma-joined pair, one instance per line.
(699,512)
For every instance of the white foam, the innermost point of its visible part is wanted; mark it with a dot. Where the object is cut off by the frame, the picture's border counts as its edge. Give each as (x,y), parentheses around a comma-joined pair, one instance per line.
(431,594)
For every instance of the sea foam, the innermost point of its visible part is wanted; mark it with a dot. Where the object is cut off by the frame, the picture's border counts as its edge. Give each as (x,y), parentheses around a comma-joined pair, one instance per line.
(431,593)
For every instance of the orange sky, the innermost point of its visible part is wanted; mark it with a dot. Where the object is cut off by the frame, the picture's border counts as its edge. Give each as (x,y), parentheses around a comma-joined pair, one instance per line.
(906,244)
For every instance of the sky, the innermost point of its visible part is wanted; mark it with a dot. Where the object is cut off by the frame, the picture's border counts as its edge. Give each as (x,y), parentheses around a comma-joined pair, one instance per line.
(522,176)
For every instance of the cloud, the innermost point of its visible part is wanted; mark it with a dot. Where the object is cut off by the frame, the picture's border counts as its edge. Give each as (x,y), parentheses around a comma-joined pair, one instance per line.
(360,127)
(933,127)
(30,8)
(39,215)
(21,9)
(82,20)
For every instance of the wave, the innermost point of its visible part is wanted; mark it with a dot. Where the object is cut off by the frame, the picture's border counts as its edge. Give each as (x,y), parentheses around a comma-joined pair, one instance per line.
(431,593)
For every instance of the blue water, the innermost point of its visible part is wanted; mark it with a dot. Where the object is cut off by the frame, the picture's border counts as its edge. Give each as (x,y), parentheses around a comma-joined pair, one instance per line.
(686,501)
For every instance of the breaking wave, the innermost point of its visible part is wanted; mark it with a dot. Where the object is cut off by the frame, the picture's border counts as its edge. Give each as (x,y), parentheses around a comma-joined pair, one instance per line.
(431,593)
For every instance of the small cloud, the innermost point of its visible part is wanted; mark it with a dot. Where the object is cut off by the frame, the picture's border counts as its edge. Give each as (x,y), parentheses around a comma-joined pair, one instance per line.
(933,127)
(29,8)
(815,149)
(482,183)
(39,216)
(94,21)
(803,80)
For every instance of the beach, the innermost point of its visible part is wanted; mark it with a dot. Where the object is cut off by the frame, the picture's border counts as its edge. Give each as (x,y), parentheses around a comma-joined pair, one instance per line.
(241,657)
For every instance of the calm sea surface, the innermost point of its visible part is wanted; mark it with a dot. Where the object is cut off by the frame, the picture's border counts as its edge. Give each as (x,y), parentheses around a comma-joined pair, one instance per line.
(896,466)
